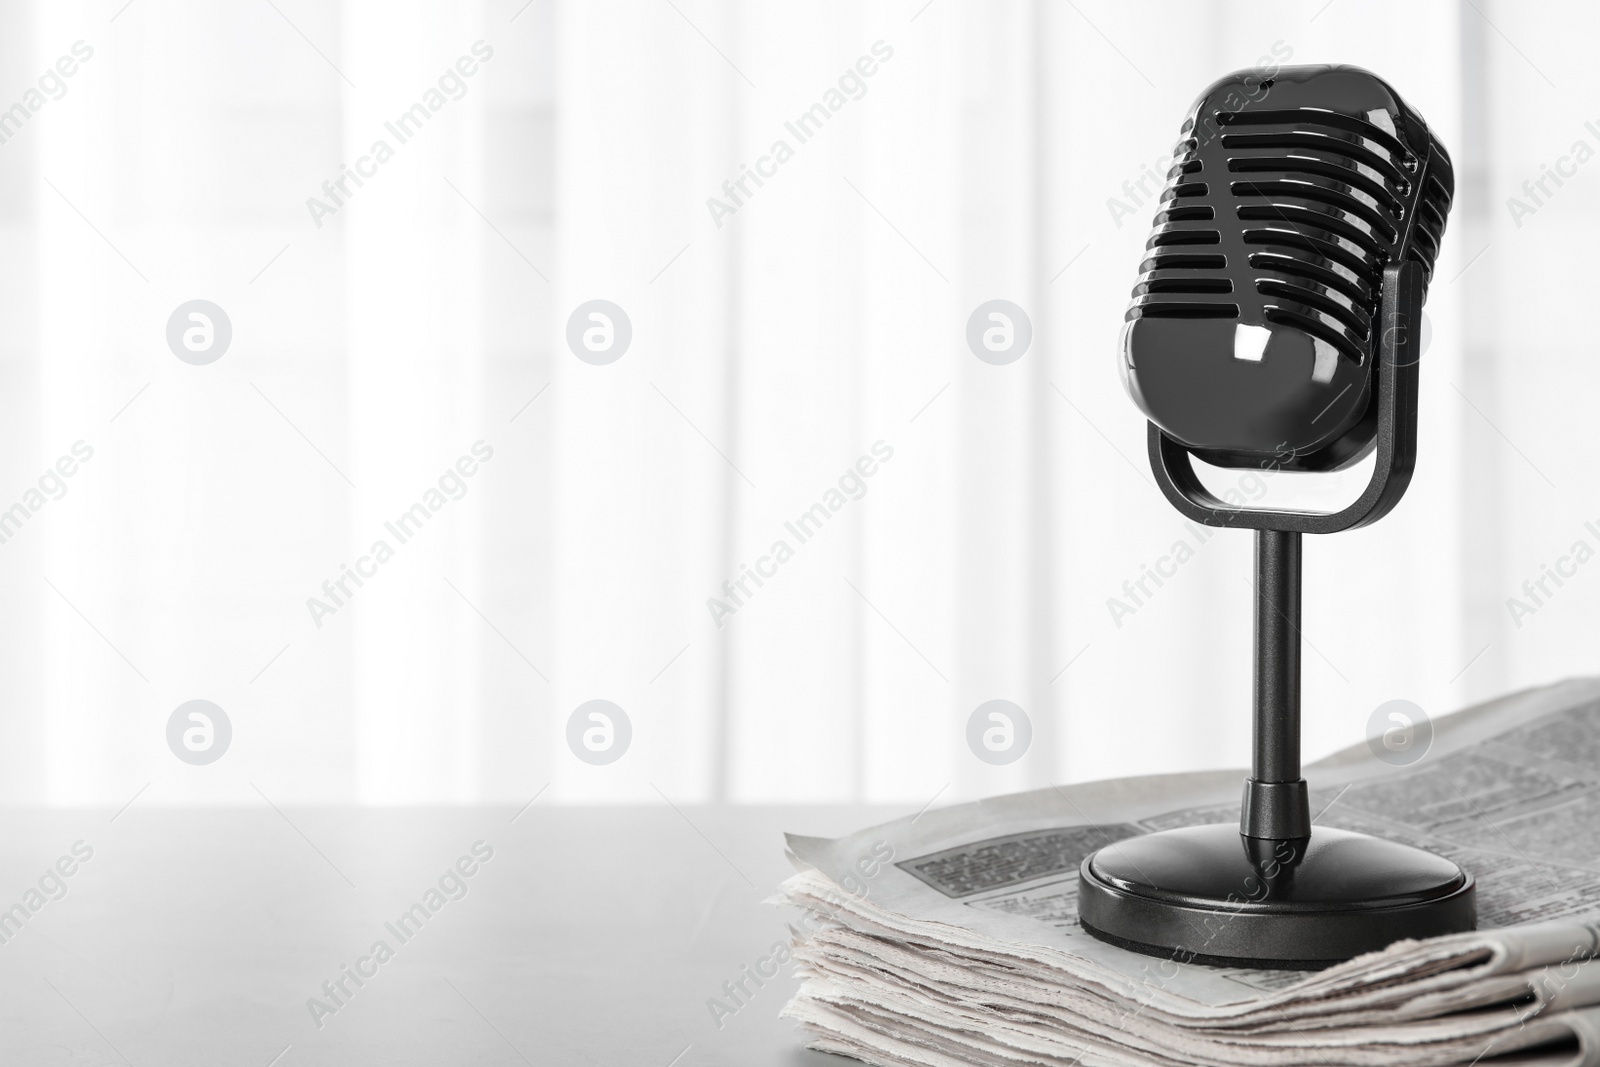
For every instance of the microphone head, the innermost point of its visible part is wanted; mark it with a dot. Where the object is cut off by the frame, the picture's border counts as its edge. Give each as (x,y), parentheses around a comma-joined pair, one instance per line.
(1253,336)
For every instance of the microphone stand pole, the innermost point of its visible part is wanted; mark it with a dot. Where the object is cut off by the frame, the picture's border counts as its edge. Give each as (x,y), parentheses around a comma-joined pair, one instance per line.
(1276,805)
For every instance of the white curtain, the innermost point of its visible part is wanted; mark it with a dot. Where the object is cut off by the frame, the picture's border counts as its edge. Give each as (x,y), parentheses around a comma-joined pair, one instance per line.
(783,331)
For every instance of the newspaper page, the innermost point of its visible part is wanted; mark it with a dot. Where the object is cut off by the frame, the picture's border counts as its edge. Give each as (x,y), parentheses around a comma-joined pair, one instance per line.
(1510,790)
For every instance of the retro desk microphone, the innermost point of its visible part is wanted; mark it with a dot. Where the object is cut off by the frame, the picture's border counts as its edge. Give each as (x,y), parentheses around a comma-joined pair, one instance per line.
(1276,325)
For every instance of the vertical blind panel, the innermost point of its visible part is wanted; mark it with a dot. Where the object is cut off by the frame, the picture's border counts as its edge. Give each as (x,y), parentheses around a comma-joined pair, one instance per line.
(952,530)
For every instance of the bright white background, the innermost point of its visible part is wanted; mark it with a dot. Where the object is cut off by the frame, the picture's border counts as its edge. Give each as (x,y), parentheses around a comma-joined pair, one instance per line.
(768,353)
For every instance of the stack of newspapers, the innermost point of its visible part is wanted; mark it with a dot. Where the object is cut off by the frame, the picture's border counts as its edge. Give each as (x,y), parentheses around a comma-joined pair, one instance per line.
(951,937)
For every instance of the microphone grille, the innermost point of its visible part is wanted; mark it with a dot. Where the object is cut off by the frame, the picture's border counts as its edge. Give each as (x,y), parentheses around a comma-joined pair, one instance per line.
(1315,198)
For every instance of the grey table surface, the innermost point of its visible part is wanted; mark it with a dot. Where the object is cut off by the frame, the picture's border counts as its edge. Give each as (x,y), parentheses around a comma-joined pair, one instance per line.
(591,936)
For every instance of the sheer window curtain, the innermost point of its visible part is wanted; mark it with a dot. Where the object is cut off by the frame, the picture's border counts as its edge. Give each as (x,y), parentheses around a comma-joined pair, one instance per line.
(778,336)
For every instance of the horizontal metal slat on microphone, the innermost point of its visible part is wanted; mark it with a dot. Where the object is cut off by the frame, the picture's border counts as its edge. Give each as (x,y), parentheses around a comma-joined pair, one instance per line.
(1183,167)
(1316,219)
(1182,309)
(1171,234)
(1328,195)
(1324,272)
(1344,171)
(1337,315)
(1324,246)
(1186,213)
(1315,117)
(1183,261)
(1335,303)
(1320,142)
(1181,282)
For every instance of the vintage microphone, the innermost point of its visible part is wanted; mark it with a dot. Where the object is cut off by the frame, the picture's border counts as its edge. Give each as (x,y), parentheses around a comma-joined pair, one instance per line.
(1276,325)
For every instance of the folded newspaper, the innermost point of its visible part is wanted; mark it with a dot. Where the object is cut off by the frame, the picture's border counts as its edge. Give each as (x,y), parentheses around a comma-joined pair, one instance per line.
(951,937)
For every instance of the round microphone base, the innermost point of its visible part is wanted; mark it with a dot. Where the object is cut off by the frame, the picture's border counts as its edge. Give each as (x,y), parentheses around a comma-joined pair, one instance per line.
(1206,894)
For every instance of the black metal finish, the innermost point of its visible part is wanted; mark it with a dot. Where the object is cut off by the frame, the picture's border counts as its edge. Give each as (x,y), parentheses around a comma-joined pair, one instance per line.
(1277,324)
(1275,811)
(1276,804)
(1257,315)
(1206,895)
(1277,702)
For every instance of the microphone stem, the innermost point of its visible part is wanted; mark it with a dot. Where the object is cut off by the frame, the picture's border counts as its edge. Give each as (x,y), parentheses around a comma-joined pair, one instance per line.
(1275,803)
(1277,698)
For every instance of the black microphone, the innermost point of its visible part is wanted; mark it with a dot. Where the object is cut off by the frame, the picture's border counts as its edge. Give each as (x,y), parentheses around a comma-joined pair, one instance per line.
(1254,328)
(1276,323)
